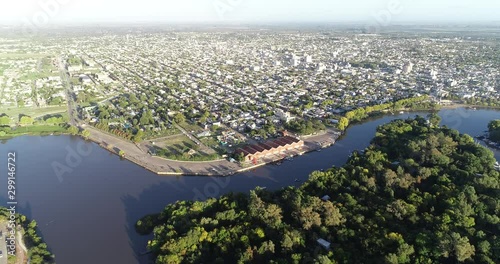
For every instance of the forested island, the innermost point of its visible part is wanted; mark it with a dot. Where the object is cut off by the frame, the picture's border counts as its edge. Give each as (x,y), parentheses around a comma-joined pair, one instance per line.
(420,193)
(38,252)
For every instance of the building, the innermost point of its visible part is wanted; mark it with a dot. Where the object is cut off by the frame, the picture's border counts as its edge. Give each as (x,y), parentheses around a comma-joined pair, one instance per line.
(321,67)
(85,79)
(295,61)
(270,148)
(309,59)
(283,116)
(325,244)
(407,67)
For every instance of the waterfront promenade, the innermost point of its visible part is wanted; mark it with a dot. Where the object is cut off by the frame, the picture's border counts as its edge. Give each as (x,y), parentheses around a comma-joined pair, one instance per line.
(223,167)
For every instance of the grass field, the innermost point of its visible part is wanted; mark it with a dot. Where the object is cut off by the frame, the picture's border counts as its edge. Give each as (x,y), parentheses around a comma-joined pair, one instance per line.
(35,130)
(14,112)
(178,145)
(190,127)
(164,133)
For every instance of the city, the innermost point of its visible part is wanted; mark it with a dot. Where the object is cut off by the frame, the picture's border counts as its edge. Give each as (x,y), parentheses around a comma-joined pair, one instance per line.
(201,96)
(232,131)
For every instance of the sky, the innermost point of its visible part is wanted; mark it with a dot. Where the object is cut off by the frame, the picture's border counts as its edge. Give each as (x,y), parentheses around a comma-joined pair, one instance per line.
(42,12)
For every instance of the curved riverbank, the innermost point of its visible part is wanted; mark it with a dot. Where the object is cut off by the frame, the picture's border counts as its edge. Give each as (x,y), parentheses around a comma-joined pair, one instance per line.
(105,196)
(161,166)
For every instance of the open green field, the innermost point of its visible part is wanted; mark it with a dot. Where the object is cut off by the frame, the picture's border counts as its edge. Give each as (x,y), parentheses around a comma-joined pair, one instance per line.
(178,144)
(190,127)
(177,148)
(164,133)
(14,112)
(33,130)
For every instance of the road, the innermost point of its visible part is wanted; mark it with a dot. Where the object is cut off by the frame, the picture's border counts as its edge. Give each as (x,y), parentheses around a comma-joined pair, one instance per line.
(69,92)
(159,165)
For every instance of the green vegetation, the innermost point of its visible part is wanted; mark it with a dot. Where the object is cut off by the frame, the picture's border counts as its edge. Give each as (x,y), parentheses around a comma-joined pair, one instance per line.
(487,102)
(304,127)
(27,125)
(85,134)
(37,249)
(35,130)
(494,130)
(74,60)
(418,194)
(33,111)
(184,149)
(415,103)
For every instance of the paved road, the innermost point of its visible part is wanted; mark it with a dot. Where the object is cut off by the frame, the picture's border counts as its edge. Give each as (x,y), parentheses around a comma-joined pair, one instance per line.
(156,164)
(69,92)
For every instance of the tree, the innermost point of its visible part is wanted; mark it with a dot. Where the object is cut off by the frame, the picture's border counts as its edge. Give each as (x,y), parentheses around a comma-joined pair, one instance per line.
(138,136)
(4,120)
(26,120)
(494,125)
(85,134)
(434,119)
(240,157)
(121,153)
(73,130)
(179,118)
(343,123)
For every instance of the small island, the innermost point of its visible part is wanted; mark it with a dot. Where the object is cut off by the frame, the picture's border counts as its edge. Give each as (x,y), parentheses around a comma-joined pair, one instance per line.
(23,243)
(420,193)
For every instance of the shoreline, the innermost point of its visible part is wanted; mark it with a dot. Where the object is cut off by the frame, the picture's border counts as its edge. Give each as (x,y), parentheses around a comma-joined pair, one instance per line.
(215,168)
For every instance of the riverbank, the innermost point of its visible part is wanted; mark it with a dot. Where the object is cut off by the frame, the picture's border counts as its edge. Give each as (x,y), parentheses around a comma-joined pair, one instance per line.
(119,193)
(35,130)
(161,166)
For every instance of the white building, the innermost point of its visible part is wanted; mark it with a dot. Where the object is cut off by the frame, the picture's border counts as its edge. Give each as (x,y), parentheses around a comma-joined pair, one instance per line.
(407,67)
(309,59)
(283,116)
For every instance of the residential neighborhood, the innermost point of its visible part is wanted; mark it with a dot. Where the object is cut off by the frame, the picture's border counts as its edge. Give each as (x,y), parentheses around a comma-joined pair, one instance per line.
(196,96)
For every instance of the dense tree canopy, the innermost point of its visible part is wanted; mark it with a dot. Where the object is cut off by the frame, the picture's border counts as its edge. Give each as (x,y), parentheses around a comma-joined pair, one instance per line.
(494,129)
(418,194)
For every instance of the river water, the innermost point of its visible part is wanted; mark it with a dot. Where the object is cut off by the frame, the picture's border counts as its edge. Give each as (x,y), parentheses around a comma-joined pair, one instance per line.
(87,200)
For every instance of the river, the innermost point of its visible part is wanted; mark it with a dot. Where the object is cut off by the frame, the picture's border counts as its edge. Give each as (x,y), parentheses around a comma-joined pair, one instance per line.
(86,214)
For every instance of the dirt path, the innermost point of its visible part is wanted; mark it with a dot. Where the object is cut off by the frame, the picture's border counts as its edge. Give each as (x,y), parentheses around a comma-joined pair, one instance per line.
(22,251)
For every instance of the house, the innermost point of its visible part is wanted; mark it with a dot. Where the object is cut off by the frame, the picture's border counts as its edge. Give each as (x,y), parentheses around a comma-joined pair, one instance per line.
(204,134)
(85,79)
(325,244)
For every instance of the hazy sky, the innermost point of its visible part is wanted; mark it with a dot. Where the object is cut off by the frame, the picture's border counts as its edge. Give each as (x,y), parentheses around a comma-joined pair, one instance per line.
(61,11)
